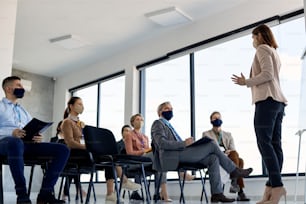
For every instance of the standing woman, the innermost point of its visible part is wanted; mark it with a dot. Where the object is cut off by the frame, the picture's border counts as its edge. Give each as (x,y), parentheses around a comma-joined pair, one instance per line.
(269,109)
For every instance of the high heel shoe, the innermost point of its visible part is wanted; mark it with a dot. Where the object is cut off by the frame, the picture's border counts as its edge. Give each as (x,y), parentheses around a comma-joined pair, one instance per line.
(266,196)
(188,177)
(276,195)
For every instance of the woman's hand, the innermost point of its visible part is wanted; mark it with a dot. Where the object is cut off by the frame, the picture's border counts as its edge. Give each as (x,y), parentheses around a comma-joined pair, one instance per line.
(238,80)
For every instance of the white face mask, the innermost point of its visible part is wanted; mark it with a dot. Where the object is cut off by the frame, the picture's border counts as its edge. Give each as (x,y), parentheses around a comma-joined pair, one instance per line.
(138,124)
(79,109)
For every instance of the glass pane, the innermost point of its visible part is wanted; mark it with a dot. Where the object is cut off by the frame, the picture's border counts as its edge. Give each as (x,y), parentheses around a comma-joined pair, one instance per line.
(214,91)
(89,97)
(112,105)
(292,40)
(169,81)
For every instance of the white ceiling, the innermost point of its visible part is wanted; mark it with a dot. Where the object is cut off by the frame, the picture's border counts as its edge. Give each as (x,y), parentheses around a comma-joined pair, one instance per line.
(109,26)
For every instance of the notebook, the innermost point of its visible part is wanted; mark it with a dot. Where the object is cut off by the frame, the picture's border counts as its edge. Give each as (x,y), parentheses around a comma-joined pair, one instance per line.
(35,127)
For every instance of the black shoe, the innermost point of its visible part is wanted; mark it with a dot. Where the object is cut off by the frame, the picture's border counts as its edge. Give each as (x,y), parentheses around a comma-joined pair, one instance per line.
(135,196)
(48,198)
(156,197)
(23,199)
(237,173)
(221,198)
(242,197)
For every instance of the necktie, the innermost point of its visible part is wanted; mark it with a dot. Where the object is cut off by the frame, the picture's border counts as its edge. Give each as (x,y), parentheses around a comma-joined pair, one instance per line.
(176,135)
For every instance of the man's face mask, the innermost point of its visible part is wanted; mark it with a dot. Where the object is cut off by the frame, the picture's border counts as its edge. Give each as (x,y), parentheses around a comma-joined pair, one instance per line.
(167,115)
(217,122)
(19,92)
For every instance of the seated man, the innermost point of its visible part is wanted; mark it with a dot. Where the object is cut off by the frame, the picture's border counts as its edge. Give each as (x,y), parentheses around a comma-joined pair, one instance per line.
(170,150)
(13,118)
(226,143)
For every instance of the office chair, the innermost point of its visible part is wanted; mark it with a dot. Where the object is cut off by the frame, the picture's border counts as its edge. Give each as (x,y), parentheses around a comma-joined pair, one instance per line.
(103,147)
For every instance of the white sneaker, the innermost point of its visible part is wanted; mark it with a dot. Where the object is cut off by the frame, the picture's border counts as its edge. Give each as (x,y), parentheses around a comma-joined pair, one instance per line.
(131,186)
(111,197)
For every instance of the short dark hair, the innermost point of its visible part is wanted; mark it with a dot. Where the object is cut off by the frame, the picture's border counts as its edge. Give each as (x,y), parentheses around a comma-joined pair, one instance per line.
(125,126)
(8,80)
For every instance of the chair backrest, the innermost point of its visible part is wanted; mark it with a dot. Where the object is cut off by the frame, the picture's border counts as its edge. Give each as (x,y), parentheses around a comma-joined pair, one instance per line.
(100,141)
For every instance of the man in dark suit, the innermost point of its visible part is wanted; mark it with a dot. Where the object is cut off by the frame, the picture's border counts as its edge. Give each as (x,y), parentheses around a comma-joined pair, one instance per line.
(170,150)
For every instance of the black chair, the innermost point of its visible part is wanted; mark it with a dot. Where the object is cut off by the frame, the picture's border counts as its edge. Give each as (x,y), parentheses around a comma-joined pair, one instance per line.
(182,167)
(102,144)
(133,172)
(80,162)
(28,161)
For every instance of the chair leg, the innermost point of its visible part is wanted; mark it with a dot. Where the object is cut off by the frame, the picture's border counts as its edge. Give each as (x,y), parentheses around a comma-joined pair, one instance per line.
(116,184)
(93,190)
(30,180)
(158,179)
(145,183)
(89,188)
(182,184)
(203,180)
(60,188)
(1,185)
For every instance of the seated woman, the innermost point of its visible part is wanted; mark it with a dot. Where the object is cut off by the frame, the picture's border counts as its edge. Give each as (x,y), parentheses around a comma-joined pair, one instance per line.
(136,143)
(59,138)
(72,132)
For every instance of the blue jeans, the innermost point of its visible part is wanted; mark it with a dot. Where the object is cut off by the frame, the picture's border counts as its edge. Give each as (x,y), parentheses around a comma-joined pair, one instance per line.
(15,150)
(268,128)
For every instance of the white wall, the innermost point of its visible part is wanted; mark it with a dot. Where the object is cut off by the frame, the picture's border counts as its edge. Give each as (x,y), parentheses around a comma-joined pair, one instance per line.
(246,14)
(8,10)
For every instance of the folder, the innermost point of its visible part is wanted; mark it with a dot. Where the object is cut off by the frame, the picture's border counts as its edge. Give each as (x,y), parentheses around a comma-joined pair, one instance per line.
(35,127)
(203,140)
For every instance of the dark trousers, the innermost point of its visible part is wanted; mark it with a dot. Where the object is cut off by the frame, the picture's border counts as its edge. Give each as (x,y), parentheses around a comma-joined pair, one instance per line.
(268,128)
(15,150)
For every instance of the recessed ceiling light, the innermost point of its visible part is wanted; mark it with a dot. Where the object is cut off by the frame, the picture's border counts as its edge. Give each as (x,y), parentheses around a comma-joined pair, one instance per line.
(168,16)
(69,41)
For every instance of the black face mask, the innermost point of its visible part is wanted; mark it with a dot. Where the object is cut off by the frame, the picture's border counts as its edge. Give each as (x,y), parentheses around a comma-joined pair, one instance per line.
(167,115)
(19,92)
(216,123)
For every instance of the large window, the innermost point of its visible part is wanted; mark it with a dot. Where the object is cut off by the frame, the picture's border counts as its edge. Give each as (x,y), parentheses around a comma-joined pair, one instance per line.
(111,115)
(169,82)
(214,90)
(89,97)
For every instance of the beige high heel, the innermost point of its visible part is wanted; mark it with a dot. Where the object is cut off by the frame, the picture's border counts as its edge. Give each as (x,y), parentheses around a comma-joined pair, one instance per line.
(188,177)
(276,195)
(266,196)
